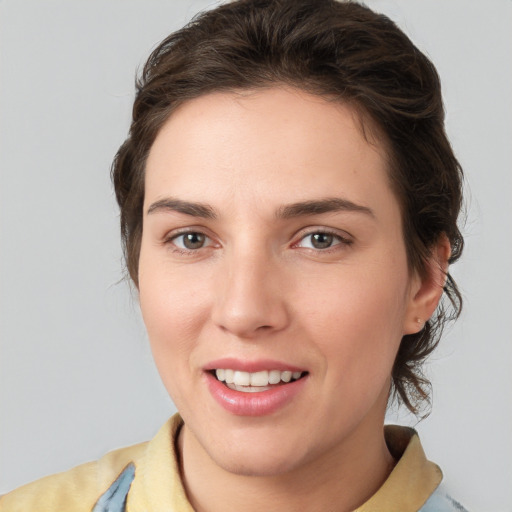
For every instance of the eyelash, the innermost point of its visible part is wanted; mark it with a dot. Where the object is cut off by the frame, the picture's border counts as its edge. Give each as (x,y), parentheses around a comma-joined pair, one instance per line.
(342,241)
(170,240)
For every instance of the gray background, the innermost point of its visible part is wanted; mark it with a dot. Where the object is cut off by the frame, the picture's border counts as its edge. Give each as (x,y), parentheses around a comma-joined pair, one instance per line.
(76,375)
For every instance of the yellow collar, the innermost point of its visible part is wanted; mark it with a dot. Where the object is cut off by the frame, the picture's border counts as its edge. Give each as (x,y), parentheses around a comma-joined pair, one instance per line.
(413,479)
(157,484)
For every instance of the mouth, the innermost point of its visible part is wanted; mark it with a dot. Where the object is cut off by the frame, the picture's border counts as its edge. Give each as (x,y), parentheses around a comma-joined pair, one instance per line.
(254,388)
(255,382)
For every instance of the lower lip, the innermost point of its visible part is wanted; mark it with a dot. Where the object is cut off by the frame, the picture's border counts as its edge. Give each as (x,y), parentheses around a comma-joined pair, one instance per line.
(260,403)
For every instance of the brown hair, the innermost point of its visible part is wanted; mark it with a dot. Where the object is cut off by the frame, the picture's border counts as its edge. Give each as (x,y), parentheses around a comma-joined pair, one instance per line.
(342,51)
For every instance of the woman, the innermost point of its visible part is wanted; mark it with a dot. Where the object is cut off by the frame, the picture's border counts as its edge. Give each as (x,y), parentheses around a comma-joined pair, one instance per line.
(289,206)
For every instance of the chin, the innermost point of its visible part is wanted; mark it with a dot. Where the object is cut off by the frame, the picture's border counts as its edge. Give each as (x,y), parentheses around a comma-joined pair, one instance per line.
(260,458)
(256,468)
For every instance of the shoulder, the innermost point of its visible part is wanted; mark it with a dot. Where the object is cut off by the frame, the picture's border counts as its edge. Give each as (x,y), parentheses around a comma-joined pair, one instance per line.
(441,501)
(75,490)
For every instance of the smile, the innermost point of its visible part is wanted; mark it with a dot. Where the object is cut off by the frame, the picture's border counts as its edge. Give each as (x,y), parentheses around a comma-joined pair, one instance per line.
(256,388)
(253,382)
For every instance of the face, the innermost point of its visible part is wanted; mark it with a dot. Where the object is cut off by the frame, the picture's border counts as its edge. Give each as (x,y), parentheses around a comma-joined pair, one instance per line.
(273,277)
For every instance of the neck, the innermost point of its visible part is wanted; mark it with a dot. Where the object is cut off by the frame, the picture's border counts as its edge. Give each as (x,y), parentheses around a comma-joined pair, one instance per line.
(347,475)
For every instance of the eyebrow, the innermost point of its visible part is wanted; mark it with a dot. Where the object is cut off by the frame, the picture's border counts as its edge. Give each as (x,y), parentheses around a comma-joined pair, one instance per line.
(300,209)
(202,210)
(317,207)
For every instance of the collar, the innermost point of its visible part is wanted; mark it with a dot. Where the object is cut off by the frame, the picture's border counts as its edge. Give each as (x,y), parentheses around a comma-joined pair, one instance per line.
(413,479)
(157,484)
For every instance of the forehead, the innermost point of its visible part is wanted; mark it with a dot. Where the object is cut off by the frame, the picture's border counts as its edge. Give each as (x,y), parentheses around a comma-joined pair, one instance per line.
(276,143)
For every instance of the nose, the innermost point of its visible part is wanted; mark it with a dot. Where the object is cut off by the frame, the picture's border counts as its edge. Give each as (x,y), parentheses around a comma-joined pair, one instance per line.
(250,300)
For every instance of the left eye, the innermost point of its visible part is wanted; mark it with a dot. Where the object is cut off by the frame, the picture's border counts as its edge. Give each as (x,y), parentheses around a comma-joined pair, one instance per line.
(190,241)
(319,240)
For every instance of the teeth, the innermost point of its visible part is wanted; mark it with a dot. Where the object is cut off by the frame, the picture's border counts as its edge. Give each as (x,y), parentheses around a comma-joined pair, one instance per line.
(274,377)
(255,379)
(286,376)
(242,378)
(259,378)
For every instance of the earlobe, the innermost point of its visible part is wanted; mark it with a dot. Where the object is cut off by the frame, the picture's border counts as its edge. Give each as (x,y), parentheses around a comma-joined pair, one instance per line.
(426,290)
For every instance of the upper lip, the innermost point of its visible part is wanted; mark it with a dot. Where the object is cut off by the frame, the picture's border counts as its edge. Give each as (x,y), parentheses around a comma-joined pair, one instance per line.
(251,366)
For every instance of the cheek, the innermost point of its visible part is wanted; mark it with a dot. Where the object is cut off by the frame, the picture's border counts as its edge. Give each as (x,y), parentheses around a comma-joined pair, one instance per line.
(167,310)
(357,322)
(174,310)
(172,325)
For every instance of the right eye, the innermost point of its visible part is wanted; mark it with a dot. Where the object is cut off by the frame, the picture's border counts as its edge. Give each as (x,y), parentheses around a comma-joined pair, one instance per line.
(190,241)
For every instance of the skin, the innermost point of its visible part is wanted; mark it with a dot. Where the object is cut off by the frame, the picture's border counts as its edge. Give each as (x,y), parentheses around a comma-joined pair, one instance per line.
(259,289)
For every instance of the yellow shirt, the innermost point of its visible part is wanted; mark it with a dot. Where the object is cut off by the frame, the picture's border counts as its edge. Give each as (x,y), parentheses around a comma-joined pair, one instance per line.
(157,486)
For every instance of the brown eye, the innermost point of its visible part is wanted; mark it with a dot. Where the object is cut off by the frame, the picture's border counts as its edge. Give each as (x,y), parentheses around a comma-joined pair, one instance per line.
(190,241)
(321,240)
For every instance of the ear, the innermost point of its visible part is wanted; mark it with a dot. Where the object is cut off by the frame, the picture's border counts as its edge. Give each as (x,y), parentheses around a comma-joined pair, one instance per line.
(426,290)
